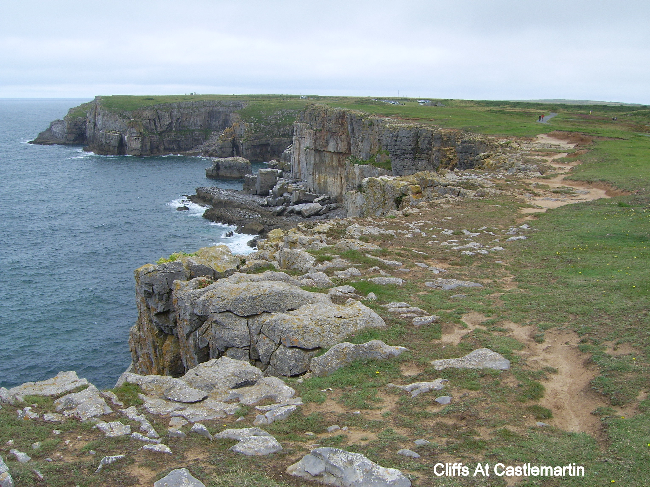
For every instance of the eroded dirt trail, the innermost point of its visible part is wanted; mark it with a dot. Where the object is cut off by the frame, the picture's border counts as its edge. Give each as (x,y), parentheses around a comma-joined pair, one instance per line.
(568,391)
(558,191)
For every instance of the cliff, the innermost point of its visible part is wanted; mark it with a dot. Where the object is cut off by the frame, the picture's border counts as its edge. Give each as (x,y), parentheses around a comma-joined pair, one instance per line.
(335,149)
(198,307)
(214,128)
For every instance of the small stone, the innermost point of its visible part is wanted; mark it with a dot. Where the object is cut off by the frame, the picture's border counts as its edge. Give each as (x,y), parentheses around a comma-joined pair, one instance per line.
(181,477)
(174,433)
(424,320)
(417,388)
(333,428)
(371,296)
(422,442)
(159,448)
(113,428)
(20,456)
(177,422)
(27,413)
(108,460)
(541,424)
(448,284)
(408,453)
(443,399)
(385,281)
(482,358)
(201,430)
(53,417)
(36,446)
(146,439)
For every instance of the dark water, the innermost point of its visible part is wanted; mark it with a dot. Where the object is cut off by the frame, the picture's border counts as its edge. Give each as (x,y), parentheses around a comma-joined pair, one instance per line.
(73,227)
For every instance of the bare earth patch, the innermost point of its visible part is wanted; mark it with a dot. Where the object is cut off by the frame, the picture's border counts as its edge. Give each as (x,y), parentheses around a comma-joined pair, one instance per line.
(568,392)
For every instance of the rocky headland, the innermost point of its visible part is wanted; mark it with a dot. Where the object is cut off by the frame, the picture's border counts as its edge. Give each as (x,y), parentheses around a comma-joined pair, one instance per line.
(234,352)
(323,162)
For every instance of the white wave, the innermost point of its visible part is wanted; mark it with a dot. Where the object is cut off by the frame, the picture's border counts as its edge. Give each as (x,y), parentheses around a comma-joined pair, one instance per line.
(236,242)
(194,209)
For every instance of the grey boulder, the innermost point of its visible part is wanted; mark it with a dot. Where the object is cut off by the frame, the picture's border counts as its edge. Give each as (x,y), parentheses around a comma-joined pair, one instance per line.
(345,353)
(333,466)
(83,405)
(482,358)
(252,441)
(181,477)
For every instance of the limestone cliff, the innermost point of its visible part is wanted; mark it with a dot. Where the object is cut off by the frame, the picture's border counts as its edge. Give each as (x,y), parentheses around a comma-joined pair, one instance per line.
(189,312)
(335,149)
(213,128)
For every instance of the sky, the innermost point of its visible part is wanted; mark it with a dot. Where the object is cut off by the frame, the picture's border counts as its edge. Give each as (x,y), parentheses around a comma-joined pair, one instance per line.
(463,49)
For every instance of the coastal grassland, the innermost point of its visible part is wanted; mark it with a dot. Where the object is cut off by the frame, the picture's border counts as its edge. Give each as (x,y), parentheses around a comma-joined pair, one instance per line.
(127,103)
(509,118)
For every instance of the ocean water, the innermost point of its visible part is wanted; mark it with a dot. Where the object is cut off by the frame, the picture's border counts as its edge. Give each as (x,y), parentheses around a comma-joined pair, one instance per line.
(73,227)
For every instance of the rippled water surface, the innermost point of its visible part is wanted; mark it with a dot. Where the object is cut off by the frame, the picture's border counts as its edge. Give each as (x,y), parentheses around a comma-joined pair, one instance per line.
(73,227)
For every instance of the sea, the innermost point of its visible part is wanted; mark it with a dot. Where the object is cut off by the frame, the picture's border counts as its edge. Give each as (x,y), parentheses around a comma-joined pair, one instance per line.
(73,227)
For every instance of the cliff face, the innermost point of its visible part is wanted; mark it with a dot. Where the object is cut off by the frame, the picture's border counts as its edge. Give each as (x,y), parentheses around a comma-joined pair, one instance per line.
(335,149)
(213,128)
(189,312)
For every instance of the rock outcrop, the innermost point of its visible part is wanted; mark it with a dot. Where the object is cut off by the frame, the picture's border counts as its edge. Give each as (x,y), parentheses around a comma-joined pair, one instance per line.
(189,312)
(334,150)
(229,168)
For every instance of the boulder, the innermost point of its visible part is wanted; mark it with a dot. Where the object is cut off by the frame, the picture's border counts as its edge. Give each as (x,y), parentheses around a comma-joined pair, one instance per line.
(296,259)
(252,441)
(201,430)
(408,453)
(275,414)
(250,184)
(268,388)
(338,467)
(83,405)
(181,477)
(222,374)
(482,358)
(266,180)
(316,279)
(345,353)
(157,448)
(228,168)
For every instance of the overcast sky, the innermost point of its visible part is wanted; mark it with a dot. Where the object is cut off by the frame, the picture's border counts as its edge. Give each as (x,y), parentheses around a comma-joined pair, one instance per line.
(469,49)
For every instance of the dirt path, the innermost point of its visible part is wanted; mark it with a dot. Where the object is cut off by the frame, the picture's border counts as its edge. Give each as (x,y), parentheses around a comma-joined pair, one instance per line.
(558,191)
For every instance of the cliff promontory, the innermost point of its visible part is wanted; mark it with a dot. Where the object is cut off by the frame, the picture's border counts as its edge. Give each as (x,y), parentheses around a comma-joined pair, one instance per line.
(210,127)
